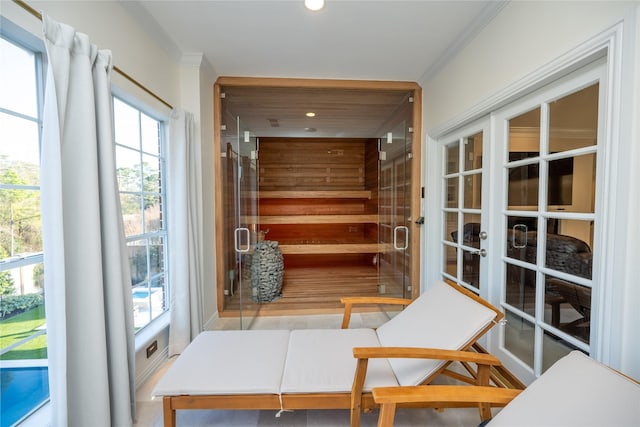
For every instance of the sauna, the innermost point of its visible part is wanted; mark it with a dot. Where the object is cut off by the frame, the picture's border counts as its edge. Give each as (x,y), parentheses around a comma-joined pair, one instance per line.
(330,171)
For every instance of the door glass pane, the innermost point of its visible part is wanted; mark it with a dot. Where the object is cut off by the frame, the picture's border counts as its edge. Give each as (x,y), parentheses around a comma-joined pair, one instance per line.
(568,307)
(524,135)
(573,120)
(453,158)
(572,184)
(473,152)
(522,239)
(473,191)
(519,337)
(451,192)
(560,183)
(451,226)
(554,349)
(521,288)
(570,251)
(523,187)
(450,260)
(471,268)
(471,230)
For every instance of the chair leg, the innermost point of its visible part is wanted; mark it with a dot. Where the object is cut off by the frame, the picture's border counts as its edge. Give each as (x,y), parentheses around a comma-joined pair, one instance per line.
(484,375)
(356,391)
(169,414)
(387,414)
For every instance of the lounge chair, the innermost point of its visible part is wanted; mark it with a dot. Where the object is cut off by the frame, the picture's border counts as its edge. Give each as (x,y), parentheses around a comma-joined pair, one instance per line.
(332,368)
(575,391)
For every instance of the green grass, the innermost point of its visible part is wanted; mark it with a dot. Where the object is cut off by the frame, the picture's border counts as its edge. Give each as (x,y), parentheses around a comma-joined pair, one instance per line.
(22,326)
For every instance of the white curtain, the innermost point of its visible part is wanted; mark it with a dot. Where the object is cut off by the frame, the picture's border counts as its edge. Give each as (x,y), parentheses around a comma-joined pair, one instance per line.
(87,282)
(185,225)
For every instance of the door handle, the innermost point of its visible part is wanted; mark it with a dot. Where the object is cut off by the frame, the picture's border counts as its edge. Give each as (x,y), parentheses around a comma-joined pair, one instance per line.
(406,237)
(481,252)
(236,239)
(523,229)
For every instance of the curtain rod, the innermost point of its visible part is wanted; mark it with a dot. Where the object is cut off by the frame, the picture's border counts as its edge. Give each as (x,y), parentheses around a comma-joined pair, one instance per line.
(38,15)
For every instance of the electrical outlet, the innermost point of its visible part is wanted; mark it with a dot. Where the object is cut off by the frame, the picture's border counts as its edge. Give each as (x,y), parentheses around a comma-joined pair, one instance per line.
(152,348)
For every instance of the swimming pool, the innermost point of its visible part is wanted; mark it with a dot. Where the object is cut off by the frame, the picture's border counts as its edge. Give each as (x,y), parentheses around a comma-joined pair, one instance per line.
(23,390)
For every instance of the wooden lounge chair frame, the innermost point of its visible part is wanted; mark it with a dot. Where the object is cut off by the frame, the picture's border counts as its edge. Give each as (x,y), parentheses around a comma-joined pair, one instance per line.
(488,370)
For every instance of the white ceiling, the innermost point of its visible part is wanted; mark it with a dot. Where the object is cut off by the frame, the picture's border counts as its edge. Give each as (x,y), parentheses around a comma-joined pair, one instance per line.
(348,39)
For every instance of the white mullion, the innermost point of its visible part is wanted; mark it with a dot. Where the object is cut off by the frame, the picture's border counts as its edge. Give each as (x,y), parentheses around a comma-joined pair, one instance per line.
(460,251)
(543,168)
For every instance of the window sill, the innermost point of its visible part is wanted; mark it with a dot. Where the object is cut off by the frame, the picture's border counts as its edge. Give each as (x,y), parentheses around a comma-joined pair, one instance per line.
(40,417)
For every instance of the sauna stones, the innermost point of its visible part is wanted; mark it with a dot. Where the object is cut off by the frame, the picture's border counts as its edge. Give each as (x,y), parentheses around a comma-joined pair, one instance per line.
(267,271)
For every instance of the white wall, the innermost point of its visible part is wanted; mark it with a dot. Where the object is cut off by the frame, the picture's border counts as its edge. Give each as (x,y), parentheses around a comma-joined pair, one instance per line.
(197,79)
(523,39)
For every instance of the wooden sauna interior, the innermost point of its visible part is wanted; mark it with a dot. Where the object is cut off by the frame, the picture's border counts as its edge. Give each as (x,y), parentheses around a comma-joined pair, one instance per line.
(318,197)
(317,190)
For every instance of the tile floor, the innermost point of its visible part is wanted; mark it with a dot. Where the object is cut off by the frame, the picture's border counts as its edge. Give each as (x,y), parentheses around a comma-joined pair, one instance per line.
(150,410)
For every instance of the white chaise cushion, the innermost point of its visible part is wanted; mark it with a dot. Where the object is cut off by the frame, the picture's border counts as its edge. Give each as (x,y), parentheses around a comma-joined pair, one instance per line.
(228,362)
(575,391)
(441,318)
(321,361)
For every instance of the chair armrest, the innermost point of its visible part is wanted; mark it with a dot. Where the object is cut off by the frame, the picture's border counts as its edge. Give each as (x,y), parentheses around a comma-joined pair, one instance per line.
(445,394)
(426,353)
(349,302)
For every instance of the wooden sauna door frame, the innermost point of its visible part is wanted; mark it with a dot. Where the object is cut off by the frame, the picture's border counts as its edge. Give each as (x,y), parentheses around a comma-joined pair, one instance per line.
(415,198)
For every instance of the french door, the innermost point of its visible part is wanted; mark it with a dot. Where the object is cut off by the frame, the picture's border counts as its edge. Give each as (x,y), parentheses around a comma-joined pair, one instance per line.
(464,228)
(520,218)
(549,175)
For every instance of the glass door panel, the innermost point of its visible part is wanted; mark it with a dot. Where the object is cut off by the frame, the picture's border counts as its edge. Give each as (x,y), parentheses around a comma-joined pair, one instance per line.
(246,236)
(394,212)
(239,170)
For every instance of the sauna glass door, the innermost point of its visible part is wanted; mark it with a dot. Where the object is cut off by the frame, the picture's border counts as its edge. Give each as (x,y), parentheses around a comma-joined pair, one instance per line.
(239,188)
(246,236)
(394,210)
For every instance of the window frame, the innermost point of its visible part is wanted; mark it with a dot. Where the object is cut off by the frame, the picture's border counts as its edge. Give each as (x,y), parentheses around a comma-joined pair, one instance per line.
(163,232)
(22,39)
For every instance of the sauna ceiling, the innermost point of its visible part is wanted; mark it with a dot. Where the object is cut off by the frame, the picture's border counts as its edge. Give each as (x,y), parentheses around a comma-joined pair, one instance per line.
(339,113)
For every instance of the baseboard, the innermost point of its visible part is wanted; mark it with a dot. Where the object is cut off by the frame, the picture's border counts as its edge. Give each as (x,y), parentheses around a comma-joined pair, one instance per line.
(208,325)
(156,363)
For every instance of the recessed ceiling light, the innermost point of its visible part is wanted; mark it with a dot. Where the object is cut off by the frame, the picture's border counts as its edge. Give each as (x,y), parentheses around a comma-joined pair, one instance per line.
(314,4)
(310,114)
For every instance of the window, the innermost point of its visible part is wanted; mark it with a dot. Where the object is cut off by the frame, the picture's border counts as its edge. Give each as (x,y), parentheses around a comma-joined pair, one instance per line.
(140,171)
(23,338)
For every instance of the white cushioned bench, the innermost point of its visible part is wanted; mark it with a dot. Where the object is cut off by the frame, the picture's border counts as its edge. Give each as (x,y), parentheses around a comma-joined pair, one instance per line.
(316,369)
(576,391)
